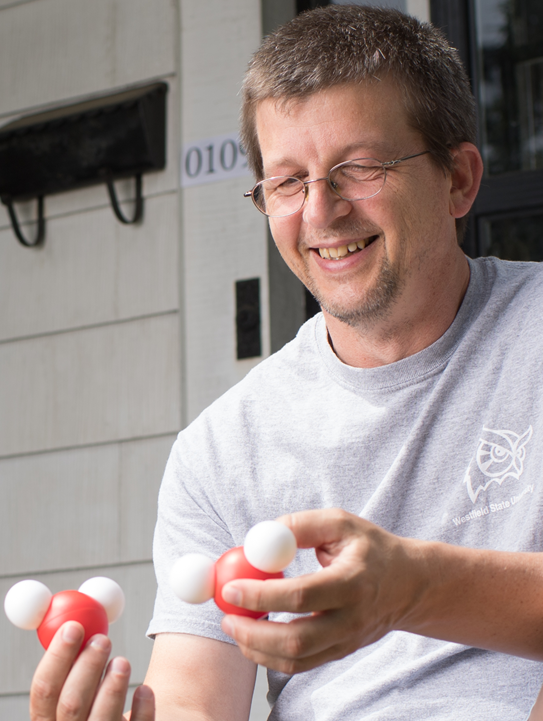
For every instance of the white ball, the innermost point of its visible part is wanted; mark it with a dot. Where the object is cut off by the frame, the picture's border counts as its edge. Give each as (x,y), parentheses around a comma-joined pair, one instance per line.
(192,578)
(107,592)
(270,546)
(26,604)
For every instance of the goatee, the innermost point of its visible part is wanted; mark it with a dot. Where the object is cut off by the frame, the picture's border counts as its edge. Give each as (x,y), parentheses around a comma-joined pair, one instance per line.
(376,302)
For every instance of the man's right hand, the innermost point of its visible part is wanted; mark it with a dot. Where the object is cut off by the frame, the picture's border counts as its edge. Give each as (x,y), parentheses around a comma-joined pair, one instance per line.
(76,689)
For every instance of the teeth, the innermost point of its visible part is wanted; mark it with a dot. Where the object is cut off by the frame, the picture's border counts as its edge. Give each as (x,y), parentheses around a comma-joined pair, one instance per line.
(343,250)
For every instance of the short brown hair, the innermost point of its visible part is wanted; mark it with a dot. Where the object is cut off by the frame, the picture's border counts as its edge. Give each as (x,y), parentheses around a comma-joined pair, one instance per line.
(337,44)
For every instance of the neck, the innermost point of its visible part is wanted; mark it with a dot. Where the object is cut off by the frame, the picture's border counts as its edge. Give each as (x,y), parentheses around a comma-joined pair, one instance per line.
(415,321)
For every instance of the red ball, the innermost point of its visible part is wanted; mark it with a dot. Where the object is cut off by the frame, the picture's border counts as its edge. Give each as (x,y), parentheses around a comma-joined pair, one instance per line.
(232,565)
(73,606)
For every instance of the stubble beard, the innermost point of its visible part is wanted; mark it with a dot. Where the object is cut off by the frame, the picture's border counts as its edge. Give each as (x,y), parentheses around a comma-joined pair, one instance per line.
(375,304)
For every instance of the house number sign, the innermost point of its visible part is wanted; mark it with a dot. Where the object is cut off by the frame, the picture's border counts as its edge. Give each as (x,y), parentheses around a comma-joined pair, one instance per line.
(212,159)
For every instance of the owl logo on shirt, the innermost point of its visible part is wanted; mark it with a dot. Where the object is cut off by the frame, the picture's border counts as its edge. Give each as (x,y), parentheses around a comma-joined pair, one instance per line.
(500,455)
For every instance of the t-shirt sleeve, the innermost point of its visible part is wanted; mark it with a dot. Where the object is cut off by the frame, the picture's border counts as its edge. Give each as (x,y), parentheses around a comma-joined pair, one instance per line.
(186,523)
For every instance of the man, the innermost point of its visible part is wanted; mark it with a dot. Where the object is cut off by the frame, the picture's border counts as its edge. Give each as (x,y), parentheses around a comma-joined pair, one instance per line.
(398,432)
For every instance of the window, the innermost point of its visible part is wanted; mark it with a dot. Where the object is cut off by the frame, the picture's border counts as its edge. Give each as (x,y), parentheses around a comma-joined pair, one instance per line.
(501,43)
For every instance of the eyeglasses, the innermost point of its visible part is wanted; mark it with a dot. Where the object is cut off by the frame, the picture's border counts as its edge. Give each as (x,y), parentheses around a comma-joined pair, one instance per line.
(352,180)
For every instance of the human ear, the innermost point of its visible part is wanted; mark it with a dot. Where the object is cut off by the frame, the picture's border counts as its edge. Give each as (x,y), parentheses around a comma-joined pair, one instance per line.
(465,178)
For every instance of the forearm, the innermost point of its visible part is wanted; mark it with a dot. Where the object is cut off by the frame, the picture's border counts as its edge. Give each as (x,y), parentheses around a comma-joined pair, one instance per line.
(487,599)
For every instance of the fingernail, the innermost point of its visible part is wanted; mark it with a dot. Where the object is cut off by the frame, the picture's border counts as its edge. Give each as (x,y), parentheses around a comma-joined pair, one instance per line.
(120,666)
(144,693)
(71,632)
(99,642)
(232,594)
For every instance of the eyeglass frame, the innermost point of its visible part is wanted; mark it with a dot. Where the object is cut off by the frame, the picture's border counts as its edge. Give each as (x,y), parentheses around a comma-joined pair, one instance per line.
(384,165)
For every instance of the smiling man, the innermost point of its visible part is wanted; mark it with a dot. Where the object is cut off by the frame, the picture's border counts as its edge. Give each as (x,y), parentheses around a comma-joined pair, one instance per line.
(372,264)
(398,435)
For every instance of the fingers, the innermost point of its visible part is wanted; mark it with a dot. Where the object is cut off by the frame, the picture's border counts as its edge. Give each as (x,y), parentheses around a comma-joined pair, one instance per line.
(299,638)
(110,699)
(79,690)
(291,647)
(357,597)
(65,687)
(53,670)
(328,589)
(70,688)
(293,666)
(143,704)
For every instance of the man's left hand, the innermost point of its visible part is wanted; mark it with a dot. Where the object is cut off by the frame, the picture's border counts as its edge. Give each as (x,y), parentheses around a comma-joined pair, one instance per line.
(366,587)
(373,582)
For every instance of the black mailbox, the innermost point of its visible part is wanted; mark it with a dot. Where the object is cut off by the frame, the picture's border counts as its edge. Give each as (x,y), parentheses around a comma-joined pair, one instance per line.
(97,141)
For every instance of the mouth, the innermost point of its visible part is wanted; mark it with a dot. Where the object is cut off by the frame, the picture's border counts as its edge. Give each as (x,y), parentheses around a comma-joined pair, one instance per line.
(345,250)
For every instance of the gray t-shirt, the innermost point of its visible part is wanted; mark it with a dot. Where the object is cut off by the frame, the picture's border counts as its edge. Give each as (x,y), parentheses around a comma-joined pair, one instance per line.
(444,445)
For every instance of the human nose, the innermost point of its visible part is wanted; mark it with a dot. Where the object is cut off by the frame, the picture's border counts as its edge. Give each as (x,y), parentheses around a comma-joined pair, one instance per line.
(322,204)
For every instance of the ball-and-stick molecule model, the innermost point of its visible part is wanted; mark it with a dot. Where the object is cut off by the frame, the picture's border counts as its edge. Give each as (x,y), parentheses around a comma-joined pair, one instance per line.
(31,605)
(268,549)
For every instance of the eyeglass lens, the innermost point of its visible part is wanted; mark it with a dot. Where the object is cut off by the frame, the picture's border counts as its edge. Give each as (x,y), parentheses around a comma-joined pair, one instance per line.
(284,195)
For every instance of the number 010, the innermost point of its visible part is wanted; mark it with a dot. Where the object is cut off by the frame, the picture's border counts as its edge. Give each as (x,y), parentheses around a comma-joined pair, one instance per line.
(198,160)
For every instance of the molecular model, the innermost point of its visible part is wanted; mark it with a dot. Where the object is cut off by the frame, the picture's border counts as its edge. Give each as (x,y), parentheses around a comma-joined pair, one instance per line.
(268,549)
(31,605)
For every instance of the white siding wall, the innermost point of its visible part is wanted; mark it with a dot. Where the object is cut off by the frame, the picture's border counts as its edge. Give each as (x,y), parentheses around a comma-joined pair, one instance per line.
(224,238)
(112,337)
(418,8)
(90,376)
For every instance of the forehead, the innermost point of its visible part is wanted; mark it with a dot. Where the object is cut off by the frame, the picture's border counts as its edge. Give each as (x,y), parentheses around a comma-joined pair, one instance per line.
(331,125)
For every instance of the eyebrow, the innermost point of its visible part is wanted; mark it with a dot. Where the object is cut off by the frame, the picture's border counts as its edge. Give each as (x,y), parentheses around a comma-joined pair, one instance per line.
(375,149)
